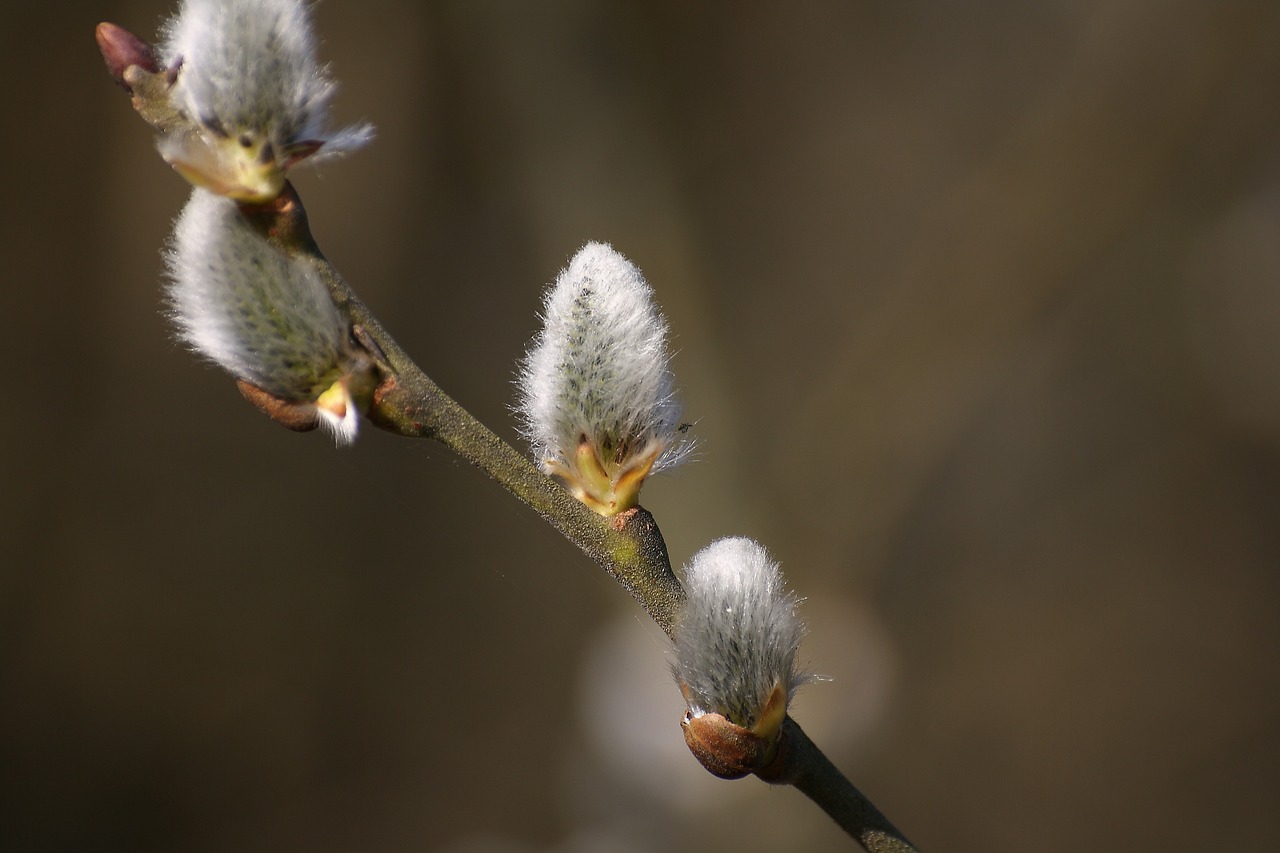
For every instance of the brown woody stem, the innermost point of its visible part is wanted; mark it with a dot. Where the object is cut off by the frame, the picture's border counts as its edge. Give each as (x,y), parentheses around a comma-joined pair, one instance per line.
(801,764)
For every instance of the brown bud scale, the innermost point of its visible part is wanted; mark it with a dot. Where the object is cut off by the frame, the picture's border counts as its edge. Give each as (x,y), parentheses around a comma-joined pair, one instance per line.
(299,417)
(726,749)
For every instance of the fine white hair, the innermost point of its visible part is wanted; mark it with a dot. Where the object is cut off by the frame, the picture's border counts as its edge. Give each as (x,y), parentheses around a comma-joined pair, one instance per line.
(249,66)
(739,635)
(599,369)
(240,302)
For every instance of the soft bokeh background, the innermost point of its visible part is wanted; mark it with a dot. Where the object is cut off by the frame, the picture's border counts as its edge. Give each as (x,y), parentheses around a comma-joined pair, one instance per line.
(976,308)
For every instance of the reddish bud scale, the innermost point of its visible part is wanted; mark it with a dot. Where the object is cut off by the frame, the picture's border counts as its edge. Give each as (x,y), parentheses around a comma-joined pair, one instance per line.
(299,417)
(121,50)
(726,749)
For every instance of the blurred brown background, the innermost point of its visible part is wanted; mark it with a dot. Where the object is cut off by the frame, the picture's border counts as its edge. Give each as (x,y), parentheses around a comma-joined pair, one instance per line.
(976,308)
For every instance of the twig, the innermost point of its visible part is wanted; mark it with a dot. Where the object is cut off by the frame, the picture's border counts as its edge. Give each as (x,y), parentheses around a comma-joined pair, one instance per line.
(629,546)
(801,764)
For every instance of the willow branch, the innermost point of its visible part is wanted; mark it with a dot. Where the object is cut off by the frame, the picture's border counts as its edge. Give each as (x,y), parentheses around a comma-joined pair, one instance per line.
(629,546)
(407,402)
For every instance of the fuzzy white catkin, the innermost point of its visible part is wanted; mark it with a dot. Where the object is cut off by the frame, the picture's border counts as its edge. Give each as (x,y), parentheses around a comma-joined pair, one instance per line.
(249,67)
(739,635)
(599,368)
(264,317)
